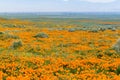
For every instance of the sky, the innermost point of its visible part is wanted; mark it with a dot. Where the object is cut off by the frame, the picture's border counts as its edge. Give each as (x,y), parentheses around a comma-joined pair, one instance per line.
(59,5)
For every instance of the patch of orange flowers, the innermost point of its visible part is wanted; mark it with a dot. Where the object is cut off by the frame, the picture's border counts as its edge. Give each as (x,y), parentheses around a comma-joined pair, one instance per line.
(64,55)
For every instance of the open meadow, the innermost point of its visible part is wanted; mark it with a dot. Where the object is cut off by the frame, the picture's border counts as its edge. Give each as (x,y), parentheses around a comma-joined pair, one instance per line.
(59,49)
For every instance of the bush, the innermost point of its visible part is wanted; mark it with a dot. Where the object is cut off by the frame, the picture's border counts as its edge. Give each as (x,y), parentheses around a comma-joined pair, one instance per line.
(12,36)
(94,30)
(102,29)
(113,29)
(1,33)
(5,35)
(16,44)
(71,30)
(21,26)
(41,35)
(118,70)
(116,46)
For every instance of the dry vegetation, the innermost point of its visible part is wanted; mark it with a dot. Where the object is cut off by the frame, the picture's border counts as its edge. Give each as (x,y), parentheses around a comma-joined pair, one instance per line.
(33,53)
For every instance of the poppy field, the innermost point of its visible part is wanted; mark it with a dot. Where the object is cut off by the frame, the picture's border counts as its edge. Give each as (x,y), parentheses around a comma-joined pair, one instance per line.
(68,50)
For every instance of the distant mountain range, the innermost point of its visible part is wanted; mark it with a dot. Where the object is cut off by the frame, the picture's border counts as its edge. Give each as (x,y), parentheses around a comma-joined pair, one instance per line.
(86,15)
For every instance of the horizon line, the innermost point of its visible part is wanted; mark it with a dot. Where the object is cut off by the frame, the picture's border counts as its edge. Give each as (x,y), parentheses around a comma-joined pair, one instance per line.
(63,12)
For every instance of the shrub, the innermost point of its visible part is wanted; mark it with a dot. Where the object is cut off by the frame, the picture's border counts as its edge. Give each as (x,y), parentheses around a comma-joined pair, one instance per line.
(20,26)
(116,46)
(71,30)
(16,44)
(5,35)
(12,36)
(1,33)
(94,30)
(102,29)
(41,35)
(113,29)
(118,70)
(8,25)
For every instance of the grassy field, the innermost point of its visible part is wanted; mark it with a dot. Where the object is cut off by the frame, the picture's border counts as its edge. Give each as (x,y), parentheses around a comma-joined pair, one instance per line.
(59,49)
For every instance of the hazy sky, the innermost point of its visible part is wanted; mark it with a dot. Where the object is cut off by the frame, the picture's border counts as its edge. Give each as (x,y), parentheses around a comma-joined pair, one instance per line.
(59,5)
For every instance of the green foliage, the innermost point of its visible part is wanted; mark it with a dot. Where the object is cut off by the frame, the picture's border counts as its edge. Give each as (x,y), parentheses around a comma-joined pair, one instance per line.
(12,36)
(118,70)
(94,30)
(116,46)
(1,33)
(71,30)
(7,35)
(99,71)
(16,44)
(47,62)
(13,25)
(41,35)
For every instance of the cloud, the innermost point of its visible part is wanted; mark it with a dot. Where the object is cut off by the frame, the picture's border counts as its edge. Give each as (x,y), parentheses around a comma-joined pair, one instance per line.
(100,1)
